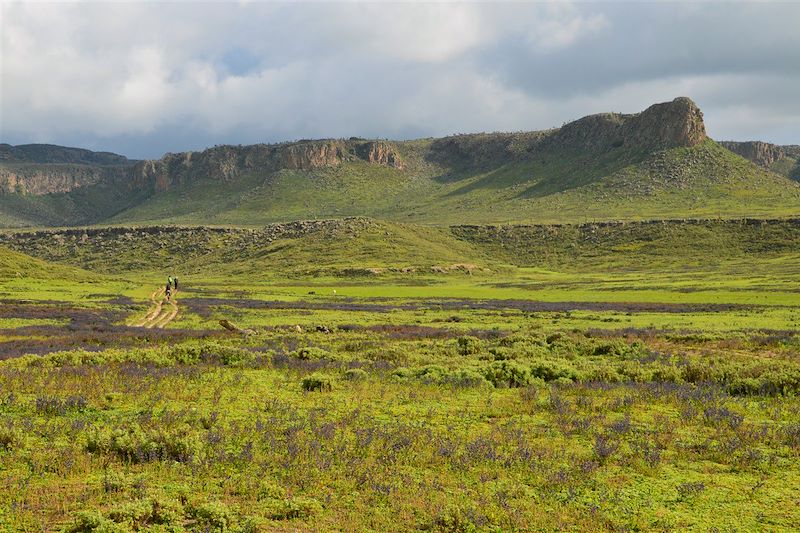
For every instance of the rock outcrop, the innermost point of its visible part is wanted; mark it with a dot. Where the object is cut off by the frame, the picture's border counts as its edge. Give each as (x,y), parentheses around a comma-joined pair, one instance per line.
(38,169)
(46,169)
(760,153)
(379,152)
(225,163)
(48,179)
(660,126)
(309,155)
(667,125)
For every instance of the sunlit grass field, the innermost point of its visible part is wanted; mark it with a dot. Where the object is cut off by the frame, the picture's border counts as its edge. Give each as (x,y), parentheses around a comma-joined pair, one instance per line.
(584,393)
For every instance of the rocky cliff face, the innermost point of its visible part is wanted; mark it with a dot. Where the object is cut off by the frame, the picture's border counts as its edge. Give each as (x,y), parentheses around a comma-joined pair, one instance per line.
(761,153)
(661,126)
(380,153)
(38,169)
(225,163)
(45,169)
(46,179)
(308,156)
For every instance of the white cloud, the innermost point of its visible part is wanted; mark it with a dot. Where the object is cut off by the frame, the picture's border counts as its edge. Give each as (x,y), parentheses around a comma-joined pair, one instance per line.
(126,76)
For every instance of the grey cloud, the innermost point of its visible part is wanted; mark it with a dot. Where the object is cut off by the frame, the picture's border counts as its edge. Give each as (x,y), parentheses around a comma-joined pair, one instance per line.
(144,79)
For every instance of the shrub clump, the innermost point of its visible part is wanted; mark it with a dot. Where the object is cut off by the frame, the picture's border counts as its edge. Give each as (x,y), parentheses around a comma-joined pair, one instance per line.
(468,345)
(464,377)
(140,513)
(11,438)
(552,371)
(95,522)
(131,515)
(317,382)
(355,374)
(508,374)
(299,507)
(310,353)
(136,445)
(214,516)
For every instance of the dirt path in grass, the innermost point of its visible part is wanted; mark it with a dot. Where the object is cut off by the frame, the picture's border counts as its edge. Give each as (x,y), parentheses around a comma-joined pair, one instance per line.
(161,312)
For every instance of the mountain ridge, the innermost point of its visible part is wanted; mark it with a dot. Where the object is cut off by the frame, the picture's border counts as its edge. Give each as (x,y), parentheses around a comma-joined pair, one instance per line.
(641,158)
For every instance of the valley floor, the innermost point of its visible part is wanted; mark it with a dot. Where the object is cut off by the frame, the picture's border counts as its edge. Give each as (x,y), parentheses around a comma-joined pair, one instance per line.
(597,397)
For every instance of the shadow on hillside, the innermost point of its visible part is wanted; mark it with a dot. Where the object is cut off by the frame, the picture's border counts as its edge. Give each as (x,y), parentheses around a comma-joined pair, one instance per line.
(795,172)
(502,177)
(571,171)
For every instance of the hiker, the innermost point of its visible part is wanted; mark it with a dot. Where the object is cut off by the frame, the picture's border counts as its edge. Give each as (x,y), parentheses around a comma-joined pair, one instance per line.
(169,281)
(168,291)
(175,283)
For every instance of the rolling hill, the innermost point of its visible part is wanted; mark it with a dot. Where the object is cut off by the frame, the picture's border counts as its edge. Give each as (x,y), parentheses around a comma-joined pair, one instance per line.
(366,247)
(17,265)
(351,246)
(657,164)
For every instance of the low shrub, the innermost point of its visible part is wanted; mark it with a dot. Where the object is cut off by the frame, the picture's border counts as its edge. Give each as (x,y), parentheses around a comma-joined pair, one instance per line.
(299,507)
(311,353)
(468,345)
(464,377)
(317,382)
(95,522)
(508,374)
(11,438)
(604,447)
(135,445)
(690,489)
(791,435)
(214,516)
(355,374)
(140,513)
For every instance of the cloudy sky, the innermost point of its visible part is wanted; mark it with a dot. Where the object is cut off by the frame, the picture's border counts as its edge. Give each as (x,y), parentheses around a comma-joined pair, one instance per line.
(143,79)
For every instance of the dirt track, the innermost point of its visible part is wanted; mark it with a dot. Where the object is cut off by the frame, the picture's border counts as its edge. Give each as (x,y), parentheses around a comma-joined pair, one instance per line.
(161,312)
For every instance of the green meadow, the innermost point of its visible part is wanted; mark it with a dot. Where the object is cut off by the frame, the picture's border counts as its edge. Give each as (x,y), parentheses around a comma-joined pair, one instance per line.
(387,377)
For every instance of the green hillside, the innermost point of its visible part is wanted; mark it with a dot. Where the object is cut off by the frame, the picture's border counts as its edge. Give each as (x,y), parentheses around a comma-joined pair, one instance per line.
(18,266)
(655,164)
(561,186)
(789,165)
(354,246)
(358,247)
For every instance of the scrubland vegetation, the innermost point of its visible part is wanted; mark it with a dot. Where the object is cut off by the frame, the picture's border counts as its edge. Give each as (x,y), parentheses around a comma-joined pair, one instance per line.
(615,387)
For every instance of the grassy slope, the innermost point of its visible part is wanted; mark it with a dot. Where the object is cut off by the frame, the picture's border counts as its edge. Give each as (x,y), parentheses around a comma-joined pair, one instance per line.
(787,166)
(348,245)
(376,247)
(16,265)
(352,246)
(703,181)
(86,205)
(708,243)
